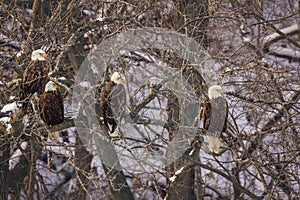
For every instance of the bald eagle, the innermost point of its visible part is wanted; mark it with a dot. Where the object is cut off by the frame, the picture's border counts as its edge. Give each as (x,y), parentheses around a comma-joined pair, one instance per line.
(214,116)
(106,113)
(51,105)
(35,75)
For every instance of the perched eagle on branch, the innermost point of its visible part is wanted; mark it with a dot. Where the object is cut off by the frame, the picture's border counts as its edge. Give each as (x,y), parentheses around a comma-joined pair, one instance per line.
(107,113)
(214,115)
(51,105)
(35,75)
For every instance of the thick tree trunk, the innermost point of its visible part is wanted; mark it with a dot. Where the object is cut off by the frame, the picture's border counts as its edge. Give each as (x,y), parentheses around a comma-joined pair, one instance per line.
(83,161)
(4,157)
(113,170)
(183,186)
(191,20)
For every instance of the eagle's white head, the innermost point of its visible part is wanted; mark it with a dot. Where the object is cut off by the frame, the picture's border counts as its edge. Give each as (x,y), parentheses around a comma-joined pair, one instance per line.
(38,54)
(51,87)
(215,91)
(118,78)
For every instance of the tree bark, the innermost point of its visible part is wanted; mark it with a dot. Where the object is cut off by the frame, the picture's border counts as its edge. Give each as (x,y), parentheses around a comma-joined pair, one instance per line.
(83,161)
(4,157)
(191,20)
(113,170)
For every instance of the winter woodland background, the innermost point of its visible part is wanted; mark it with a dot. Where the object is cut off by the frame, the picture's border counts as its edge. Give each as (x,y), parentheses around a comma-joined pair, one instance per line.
(256,45)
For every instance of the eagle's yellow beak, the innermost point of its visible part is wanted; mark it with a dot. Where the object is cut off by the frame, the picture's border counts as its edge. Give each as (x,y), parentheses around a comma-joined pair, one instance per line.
(44,55)
(56,86)
(221,91)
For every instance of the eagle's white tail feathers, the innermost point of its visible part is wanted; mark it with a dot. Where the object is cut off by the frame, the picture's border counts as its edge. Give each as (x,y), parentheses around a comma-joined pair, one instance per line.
(214,142)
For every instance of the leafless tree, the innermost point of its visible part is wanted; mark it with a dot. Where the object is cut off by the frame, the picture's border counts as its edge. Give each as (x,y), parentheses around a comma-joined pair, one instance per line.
(257,51)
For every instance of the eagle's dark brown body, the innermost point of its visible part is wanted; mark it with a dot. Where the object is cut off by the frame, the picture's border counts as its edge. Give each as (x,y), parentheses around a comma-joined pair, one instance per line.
(105,106)
(111,103)
(34,78)
(220,113)
(51,107)
(214,117)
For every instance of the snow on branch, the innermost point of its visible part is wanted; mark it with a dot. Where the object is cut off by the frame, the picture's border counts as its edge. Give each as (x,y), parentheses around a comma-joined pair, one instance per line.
(15,158)
(291,30)
(11,107)
(173,178)
(285,53)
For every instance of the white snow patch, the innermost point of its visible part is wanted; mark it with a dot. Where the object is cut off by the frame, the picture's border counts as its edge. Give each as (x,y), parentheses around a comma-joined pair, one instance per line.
(246,40)
(242,26)
(12,98)
(62,78)
(140,17)
(24,145)
(72,135)
(29,11)
(286,52)
(86,35)
(85,84)
(19,54)
(100,19)
(72,186)
(88,12)
(191,153)
(129,8)
(105,27)
(68,152)
(11,107)
(70,111)
(25,120)
(15,158)
(5,120)
(173,178)
(287,31)
(3,37)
